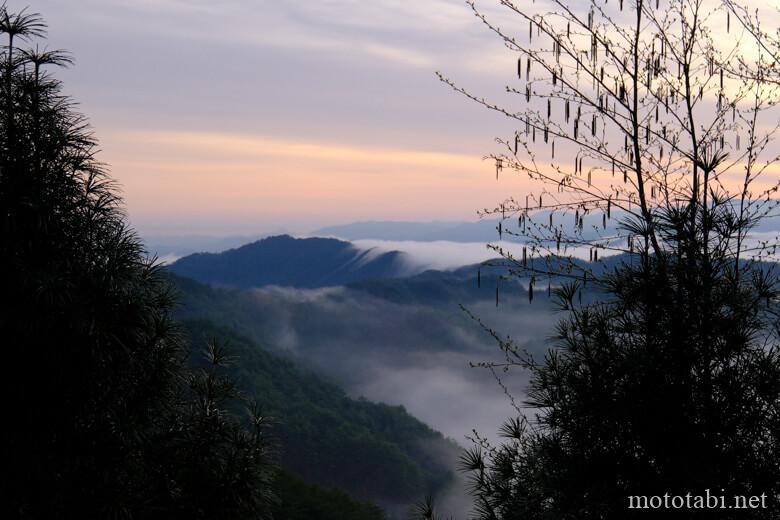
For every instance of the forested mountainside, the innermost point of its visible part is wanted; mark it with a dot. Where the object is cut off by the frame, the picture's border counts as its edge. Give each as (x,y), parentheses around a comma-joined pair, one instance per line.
(302,500)
(371,450)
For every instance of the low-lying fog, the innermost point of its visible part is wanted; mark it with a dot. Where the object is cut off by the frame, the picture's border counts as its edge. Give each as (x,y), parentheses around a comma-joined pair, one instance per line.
(415,355)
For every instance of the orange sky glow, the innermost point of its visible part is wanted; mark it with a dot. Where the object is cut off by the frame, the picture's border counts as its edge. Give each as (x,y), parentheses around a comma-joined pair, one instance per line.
(256,176)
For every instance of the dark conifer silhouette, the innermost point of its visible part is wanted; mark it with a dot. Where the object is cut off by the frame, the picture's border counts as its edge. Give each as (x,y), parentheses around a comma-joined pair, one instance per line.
(102,418)
(670,383)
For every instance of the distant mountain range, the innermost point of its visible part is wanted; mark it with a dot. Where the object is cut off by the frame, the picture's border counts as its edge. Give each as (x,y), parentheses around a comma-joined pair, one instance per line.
(479,231)
(171,247)
(309,263)
(290,262)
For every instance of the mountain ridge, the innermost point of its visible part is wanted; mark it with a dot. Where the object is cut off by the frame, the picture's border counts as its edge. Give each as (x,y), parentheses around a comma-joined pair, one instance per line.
(292,262)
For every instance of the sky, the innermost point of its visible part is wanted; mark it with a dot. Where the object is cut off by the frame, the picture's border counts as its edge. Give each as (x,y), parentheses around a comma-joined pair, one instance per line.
(244,117)
(249,116)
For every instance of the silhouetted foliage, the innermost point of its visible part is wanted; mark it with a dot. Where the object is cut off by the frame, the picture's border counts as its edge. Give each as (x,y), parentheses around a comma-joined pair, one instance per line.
(102,418)
(670,382)
(670,385)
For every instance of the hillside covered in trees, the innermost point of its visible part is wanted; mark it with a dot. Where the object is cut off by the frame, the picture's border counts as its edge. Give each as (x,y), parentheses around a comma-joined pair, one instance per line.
(372,450)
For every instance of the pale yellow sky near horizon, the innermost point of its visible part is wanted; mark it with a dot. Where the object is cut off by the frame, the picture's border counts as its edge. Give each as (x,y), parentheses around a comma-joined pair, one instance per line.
(244,175)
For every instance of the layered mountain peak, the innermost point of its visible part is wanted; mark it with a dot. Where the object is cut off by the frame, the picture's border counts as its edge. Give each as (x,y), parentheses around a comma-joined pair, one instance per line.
(292,262)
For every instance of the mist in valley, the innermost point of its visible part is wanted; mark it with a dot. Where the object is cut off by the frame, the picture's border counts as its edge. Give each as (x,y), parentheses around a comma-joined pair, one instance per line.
(418,355)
